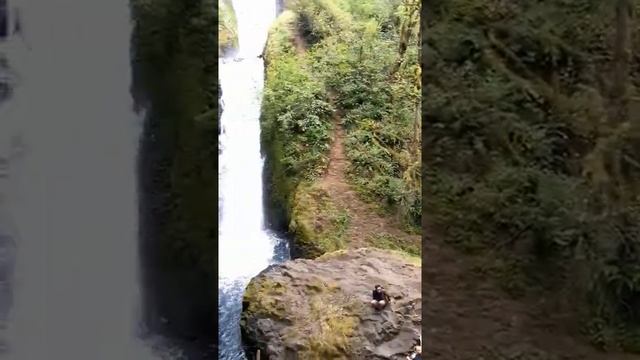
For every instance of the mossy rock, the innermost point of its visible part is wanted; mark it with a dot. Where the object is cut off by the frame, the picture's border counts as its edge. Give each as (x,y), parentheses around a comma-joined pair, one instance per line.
(318,308)
(318,223)
(260,298)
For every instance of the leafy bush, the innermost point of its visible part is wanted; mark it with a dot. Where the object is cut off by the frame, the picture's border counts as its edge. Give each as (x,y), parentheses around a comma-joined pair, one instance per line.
(227,27)
(351,63)
(379,108)
(295,116)
(523,144)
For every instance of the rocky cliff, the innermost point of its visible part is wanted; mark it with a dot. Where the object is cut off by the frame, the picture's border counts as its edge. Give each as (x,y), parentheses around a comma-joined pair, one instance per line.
(319,309)
(175,80)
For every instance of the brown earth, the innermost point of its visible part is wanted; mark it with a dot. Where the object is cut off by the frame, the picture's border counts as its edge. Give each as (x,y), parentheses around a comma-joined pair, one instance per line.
(365,220)
(468,317)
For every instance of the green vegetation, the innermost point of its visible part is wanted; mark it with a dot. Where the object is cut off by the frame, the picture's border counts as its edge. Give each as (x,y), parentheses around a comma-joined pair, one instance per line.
(318,223)
(337,324)
(387,241)
(227,27)
(329,323)
(532,147)
(262,298)
(358,60)
(415,260)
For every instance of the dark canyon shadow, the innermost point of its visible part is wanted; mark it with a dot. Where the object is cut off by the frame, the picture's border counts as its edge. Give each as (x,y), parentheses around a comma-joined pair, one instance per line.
(174,86)
(7,241)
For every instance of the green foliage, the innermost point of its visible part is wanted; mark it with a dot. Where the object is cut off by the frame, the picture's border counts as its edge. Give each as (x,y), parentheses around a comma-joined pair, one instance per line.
(348,69)
(318,19)
(295,120)
(387,241)
(227,27)
(380,109)
(524,155)
(280,40)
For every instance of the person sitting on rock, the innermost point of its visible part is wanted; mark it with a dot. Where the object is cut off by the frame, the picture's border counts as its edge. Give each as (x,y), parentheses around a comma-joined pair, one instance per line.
(380,298)
(416,354)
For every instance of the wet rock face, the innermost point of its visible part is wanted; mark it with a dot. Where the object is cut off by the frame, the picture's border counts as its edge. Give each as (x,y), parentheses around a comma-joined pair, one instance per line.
(220,108)
(319,309)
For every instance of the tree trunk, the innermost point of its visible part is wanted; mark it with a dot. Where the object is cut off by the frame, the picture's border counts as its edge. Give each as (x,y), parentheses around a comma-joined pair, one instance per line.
(412,16)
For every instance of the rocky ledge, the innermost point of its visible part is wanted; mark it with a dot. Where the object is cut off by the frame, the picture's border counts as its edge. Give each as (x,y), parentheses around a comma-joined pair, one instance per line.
(319,309)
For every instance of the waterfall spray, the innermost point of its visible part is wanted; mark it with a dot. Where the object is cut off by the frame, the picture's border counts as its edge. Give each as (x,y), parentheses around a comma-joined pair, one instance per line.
(245,245)
(71,186)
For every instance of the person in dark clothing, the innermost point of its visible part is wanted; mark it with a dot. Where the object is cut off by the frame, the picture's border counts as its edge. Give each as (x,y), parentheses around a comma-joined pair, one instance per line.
(416,354)
(380,298)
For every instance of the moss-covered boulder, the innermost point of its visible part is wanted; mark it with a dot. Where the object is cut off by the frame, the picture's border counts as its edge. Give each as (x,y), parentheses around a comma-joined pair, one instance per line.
(319,309)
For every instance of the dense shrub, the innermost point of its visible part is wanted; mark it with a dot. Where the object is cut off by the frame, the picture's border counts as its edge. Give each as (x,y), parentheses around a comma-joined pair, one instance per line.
(523,133)
(351,65)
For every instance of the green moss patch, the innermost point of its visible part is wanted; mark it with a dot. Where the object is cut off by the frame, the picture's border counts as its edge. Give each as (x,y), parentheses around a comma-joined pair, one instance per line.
(415,260)
(263,297)
(388,241)
(330,324)
(319,224)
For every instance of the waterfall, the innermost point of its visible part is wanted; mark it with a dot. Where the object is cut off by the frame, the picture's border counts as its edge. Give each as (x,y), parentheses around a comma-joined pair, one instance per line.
(246,246)
(70,138)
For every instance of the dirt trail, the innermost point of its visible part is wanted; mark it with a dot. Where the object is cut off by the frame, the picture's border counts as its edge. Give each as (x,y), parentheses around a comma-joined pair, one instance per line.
(468,317)
(364,219)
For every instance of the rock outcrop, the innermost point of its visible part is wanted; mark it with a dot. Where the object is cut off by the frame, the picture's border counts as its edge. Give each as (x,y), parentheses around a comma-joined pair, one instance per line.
(319,309)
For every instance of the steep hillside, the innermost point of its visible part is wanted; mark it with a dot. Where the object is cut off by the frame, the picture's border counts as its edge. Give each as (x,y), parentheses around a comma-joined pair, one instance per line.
(340,131)
(227,28)
(175,81)
(341,124)
(531,158)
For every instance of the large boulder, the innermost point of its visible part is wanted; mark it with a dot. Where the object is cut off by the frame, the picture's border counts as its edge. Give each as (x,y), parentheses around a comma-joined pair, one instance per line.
(319,309)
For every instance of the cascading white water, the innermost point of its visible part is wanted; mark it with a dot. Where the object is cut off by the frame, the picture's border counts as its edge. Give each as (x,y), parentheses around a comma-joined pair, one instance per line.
(71,191)
(246,246)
